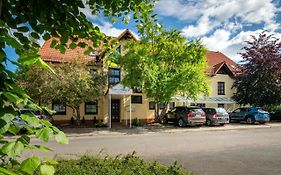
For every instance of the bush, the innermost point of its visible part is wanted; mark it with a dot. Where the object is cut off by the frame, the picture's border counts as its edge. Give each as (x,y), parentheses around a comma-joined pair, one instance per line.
(137,122)
(119,165)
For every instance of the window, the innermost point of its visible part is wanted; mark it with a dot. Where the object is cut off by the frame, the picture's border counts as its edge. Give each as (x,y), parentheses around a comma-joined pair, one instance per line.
(223,70)
(136,99)
(114,76)
(220,105)
(118,49)
(221,88)
(91,107)
(171,105)
(59,108)
(151,105)
(161,106)
(201,105)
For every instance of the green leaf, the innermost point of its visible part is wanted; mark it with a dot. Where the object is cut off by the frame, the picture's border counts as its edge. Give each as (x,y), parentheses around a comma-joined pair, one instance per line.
(72,45)
(61,138)
(46,36)
(44,65)
(42,148)
(23,29)
(5,122)
(12,98)
(47,169)
(6,172)
(24,139)
(31,119)
(64,39)
(50,161)
(44,134)
(53,43)
(13,149)
(30,165)
(28,59)
(35,35)
(14,129)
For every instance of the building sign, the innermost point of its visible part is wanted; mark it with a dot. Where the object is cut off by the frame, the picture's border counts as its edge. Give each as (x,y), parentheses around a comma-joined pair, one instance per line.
(119,89)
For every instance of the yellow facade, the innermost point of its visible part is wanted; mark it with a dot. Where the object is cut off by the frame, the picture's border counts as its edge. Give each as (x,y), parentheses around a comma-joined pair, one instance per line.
(141,110)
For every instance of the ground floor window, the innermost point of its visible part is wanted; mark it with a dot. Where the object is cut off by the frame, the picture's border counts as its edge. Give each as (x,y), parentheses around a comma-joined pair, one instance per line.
(171,105)
(151,105)
(91,107)
(220,105)
(136,99)
(201,105)
(59,108)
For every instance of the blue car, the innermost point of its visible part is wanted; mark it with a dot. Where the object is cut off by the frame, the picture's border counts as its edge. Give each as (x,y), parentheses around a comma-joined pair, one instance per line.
(250,115)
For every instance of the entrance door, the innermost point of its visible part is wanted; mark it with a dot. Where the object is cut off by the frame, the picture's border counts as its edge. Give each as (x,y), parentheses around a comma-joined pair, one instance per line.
(115,110)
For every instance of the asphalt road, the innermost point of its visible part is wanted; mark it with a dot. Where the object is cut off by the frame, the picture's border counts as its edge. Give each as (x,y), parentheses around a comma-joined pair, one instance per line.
(231,152)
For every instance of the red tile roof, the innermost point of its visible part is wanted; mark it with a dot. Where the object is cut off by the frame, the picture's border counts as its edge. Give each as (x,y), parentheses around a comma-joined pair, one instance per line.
(216,60)
(49,54)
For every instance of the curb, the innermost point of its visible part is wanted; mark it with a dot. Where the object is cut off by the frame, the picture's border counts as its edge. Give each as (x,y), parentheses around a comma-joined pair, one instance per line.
(169,130)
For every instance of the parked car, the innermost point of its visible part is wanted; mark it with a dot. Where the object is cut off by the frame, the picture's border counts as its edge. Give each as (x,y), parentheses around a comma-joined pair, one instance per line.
(275,115)
(216,116)
(250,115)
(183,115)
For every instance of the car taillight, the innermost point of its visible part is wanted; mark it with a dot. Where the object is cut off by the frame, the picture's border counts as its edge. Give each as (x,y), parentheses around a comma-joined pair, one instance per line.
(215,115)
(189,115)
(203,114)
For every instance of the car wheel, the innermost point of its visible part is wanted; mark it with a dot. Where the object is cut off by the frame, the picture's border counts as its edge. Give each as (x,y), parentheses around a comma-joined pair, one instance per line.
(181,122)
(250,120)
(208,123)
(164,120)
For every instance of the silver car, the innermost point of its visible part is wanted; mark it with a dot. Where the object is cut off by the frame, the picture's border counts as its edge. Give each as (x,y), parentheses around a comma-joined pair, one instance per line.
(216,116)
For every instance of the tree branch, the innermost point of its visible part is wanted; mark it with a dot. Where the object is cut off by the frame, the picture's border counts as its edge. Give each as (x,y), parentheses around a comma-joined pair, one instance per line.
(0,7)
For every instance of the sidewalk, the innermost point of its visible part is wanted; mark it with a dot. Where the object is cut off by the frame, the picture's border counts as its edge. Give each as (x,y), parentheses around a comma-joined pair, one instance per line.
(156,128)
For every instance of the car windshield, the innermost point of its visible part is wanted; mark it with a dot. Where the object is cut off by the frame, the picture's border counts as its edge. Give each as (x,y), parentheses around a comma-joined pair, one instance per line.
(258,110)
(221,110)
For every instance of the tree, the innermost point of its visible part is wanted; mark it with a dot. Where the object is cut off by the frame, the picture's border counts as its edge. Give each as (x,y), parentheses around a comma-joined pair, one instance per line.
(73,84)
(259,82)
(164,65)
(22,24)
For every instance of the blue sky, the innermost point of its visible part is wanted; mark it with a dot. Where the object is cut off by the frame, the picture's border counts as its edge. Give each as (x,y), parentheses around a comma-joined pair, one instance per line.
(223,25)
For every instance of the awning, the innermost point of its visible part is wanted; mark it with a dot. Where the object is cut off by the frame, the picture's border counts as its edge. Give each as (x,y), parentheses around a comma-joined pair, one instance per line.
(223,100)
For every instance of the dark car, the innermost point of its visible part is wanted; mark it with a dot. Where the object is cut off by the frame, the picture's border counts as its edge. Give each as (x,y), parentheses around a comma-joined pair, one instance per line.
(216,116)
(183,115)
(250,115)
(275,115)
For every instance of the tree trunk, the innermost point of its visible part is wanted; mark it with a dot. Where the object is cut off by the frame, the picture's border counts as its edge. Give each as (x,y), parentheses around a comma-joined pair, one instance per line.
(164,110)
(157,116)
(78,120)
(0,8)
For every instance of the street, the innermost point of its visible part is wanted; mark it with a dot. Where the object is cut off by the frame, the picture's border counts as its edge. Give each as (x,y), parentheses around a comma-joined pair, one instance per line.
(228,152)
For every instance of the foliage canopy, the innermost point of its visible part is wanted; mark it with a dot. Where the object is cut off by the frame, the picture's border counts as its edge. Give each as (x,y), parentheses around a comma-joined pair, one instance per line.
(259,83)
(72,84)
(164,65)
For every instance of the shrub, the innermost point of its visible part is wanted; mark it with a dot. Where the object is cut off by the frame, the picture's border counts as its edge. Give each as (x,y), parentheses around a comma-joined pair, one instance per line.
(137,122)
(119,165)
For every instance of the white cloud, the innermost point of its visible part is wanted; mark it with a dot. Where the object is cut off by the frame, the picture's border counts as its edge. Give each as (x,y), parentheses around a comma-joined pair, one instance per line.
(213,14)
(221,41)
